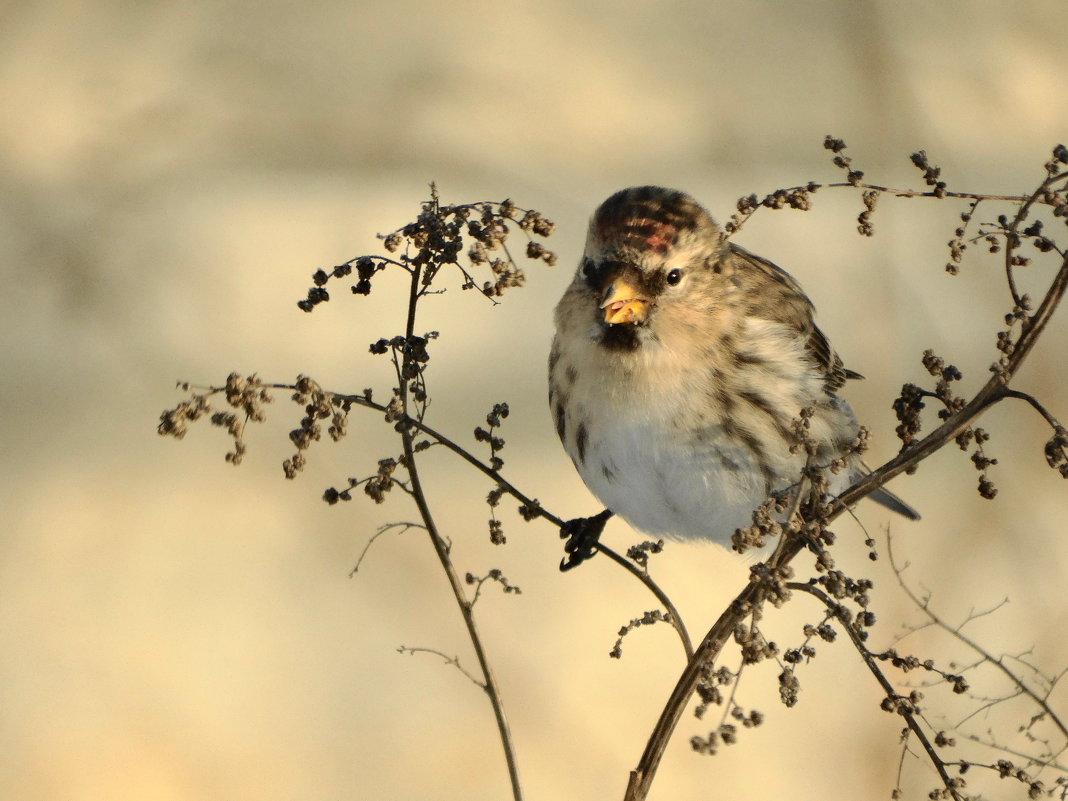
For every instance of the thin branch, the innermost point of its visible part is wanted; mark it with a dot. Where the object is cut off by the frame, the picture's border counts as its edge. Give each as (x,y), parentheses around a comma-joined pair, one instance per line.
(841,614)
(1042,763)
(530,503)
(442,550)
(1040,701)
(641,777)
(995,390)
(902,193)
(1013,238)
(449,660)
(495,576)
(672,614)
(1038,407)
(404,526)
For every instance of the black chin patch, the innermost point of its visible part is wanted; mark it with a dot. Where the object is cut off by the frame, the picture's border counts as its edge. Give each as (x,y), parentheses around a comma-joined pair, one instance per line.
(622,337)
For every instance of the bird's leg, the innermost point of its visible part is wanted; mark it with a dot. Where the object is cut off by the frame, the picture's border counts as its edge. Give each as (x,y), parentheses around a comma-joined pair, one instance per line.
(582,535)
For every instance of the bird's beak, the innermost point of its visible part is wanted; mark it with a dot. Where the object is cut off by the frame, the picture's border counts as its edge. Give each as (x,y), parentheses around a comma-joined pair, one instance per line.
(622,303)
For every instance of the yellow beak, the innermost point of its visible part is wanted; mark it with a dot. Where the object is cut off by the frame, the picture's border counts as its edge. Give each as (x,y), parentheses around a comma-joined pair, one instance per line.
(622,303)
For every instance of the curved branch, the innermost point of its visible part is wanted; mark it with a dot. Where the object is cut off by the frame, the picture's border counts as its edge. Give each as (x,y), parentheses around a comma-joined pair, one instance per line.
(489,681)
(449,660)
(641,778)
(811,187)
(790,545)
(995,389)
(1054,423)
(1013,239)
(842,616)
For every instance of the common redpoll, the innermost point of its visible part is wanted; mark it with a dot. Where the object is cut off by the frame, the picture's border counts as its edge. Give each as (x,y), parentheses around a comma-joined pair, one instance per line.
(680,367)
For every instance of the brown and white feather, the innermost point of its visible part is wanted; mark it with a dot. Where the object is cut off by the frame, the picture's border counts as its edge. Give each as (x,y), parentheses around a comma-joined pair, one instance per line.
(680,422)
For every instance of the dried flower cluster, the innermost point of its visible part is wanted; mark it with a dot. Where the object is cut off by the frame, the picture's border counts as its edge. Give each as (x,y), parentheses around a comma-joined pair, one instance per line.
(910,404)
(496,444)
(493,575)
(444,236)
(640,553)
(246,395)
(842,161)
(472,241)
(648,619)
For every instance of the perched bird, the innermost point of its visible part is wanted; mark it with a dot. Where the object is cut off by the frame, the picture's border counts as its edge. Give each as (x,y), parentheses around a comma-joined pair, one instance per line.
(680,365)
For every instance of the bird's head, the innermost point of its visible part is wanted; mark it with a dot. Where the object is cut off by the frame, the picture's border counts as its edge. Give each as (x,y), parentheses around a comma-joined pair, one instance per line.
(650,253)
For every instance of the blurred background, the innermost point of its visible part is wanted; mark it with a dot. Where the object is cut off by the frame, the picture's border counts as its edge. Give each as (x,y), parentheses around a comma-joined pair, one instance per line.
(170,176)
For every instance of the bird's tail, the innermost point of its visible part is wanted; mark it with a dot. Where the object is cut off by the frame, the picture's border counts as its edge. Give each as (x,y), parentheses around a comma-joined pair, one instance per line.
(886,498)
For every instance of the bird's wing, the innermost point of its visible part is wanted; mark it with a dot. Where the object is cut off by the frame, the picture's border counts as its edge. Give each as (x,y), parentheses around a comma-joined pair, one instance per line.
(772,294)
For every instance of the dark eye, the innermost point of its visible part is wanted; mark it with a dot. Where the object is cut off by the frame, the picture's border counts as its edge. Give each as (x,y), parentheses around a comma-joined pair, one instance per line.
(673,277)
(586,268)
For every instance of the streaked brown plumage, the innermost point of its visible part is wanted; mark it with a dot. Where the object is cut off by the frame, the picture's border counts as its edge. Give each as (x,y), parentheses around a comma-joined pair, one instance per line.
(680,364)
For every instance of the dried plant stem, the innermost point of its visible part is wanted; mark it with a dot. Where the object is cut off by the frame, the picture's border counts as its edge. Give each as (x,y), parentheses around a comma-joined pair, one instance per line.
(996,389)
(641,778)
(441,548)
(1021,214)
(489,682)
(807,189)
(920,193)
(922,604)
(843,617)
(643,576)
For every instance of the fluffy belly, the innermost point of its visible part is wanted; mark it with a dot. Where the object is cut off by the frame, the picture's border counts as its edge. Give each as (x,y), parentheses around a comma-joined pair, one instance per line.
(666,484)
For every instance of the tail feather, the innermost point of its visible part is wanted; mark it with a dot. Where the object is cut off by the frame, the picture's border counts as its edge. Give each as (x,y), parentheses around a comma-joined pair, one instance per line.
(886,498)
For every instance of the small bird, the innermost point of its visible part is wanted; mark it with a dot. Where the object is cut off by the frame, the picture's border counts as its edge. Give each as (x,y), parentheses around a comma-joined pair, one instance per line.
(680,366)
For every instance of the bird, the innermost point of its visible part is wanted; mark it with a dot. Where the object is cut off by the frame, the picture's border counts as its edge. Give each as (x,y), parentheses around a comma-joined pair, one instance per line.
(681,367)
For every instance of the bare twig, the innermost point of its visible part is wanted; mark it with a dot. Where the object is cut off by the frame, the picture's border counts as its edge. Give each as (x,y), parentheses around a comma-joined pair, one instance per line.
(537,509)
(1041,701)
(449,660)
(381,530)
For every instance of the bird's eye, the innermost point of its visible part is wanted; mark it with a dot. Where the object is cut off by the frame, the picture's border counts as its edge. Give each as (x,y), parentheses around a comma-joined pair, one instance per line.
(586,267)
(673,277)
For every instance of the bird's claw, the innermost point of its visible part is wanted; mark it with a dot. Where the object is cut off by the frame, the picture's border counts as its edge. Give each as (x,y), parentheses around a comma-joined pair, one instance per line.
(582,535)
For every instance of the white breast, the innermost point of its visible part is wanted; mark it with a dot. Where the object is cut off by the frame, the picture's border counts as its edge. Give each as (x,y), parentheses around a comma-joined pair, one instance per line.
(653,447)
(664,485)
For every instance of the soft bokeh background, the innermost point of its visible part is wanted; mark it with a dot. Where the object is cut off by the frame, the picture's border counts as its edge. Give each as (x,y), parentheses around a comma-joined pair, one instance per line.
(170,175)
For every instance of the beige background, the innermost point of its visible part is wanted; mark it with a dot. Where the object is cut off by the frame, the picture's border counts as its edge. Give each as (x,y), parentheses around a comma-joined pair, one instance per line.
(170,176)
